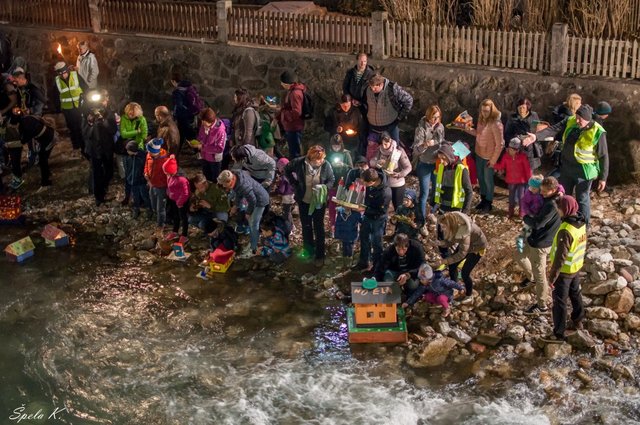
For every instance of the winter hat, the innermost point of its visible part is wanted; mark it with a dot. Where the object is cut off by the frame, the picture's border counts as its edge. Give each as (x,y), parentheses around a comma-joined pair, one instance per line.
(132,146)
(154,145)
(568,205)
(425,272)
(585,112)
(287,77)
(61,67)
(515,143)
(447,150)
(360,160)
(282,162)
(170,167)
(603,108)
(410,194)
(535,182)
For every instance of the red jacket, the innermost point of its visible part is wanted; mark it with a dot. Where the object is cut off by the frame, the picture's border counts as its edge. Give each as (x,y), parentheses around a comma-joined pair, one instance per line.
(153,169)
(290,115)
(516,168)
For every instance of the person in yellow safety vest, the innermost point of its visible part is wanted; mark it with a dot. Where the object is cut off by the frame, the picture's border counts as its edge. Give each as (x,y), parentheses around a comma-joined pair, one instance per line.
(567,258)
(453,190)
(70,94)
(584,157)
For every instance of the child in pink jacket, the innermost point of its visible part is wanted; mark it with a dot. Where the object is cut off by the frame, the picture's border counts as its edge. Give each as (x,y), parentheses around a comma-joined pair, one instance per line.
(213,139)
(177,200)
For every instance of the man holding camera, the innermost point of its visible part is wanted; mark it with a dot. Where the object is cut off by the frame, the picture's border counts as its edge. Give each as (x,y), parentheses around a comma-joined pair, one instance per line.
(68,85)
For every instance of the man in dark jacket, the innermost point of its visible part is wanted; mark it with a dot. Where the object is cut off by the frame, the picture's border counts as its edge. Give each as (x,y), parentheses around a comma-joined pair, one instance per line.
(98,129)
(35,130)
(376,205)
(31,98)
(183,113)
(400,262)
(584,156)
(387,105)
(533,259)
(240,183)
(356,80)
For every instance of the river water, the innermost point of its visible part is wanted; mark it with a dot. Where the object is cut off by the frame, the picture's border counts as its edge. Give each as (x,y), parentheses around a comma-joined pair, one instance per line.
(110,343)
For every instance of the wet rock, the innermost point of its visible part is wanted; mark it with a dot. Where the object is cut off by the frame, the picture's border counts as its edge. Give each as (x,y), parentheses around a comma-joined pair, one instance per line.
(581,340)
(621,371)
(147,245)
(525,349)
(555,351)
(146,257)
(601,313)
(632,322)
(604,328)
(620,301)
(459,335)
(636,306)
(584,377)
(626,275)
(516,333)
(604,287)
(434,353)
(443,328)
(477,348)
(489,339)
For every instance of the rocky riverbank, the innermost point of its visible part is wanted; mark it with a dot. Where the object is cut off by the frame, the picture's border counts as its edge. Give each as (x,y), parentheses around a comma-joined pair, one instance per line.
(488,333)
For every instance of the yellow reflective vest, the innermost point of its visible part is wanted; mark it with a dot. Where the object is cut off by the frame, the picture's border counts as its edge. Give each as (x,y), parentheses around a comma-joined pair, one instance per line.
(575,257)
(458,190)
(585,148)
(69,92)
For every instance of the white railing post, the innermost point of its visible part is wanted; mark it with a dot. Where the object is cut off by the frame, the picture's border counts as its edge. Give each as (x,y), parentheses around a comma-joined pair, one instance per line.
(223,7)
(559,48)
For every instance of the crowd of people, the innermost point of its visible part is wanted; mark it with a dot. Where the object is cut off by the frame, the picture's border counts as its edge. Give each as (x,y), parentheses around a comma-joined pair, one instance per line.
(244,168)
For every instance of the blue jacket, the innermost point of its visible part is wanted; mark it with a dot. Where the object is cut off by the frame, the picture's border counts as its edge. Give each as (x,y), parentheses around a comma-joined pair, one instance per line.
(347,226)
(134,168)
(250,190)
(439,285)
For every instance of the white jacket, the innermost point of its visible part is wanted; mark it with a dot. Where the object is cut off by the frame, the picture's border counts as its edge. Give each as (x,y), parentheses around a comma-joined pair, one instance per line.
(87,67)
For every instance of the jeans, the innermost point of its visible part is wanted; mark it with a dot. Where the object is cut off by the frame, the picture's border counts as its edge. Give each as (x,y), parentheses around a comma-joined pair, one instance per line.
(294,141)
(470,262)
(158,196)
(211,170)
(371,232)
(583,192)
(426,176)
(203,219)
(102,168)
(485,178)
(566,286)
(254,226)
(140,194)
(392,129)
(313,237)
(347,248)
(516,191)
(534,262)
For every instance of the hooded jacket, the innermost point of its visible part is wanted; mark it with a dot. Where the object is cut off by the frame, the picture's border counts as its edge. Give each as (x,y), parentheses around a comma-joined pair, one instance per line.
(295,173)
(448,183)
(213,141)
(260,165)
(153,169)
(517,168)
(402,168)
(425,132)
(467,235)
(178,189)
(250,190)
(290,116)
(377,199)
(129,129)
(564,244)
(134,168)
(98,137)
(439,285)
(544,225)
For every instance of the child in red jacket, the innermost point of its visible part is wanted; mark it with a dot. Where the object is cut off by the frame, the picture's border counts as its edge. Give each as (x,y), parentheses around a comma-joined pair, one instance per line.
(177,200)
(517,172)
(156,157)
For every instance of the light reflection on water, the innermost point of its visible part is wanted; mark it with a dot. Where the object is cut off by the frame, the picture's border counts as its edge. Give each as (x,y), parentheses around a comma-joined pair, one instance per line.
(123,344)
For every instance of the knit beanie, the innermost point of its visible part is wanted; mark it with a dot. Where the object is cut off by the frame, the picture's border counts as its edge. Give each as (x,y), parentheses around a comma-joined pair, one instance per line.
(447,150)
(154,145)
(170,167)
(282,162)
(568,205)
(287,77)
(360,160)
(585,112)
(515,143)
(603,108)
(132,146)
(425,272)
(535,182)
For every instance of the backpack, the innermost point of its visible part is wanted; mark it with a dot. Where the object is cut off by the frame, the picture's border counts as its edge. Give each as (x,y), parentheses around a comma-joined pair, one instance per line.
(307,105)
(193,101)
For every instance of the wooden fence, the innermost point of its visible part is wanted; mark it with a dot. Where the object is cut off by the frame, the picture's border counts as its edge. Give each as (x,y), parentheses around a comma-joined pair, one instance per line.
(174,19)
(337,33)
(73,14)
(603,58)
(473,46)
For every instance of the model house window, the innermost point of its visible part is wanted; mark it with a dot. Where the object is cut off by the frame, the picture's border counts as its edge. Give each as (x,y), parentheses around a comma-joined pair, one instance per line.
(381,314)
(370,314)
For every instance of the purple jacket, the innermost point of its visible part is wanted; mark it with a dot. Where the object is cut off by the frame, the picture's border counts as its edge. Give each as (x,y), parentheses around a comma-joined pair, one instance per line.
(284,186)
(531,203)
(178,189)
(214,142)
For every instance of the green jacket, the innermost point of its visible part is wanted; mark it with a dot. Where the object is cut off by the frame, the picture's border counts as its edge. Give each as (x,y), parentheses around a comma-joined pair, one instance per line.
(129,130)
(216,197)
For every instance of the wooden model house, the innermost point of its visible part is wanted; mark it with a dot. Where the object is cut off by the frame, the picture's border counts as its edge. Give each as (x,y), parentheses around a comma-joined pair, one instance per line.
(54,237)
(20,250)
(375,316)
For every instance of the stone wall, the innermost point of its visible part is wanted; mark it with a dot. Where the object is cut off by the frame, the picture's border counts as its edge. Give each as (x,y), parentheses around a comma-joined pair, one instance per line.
(138,68)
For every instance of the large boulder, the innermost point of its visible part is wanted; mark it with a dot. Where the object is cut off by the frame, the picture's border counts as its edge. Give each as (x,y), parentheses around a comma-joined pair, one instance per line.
(433,353)
(632,322)
(601,313)
(604,288)
(515,333)
(581,340)
(555,351)
(620,301)
(604,328)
